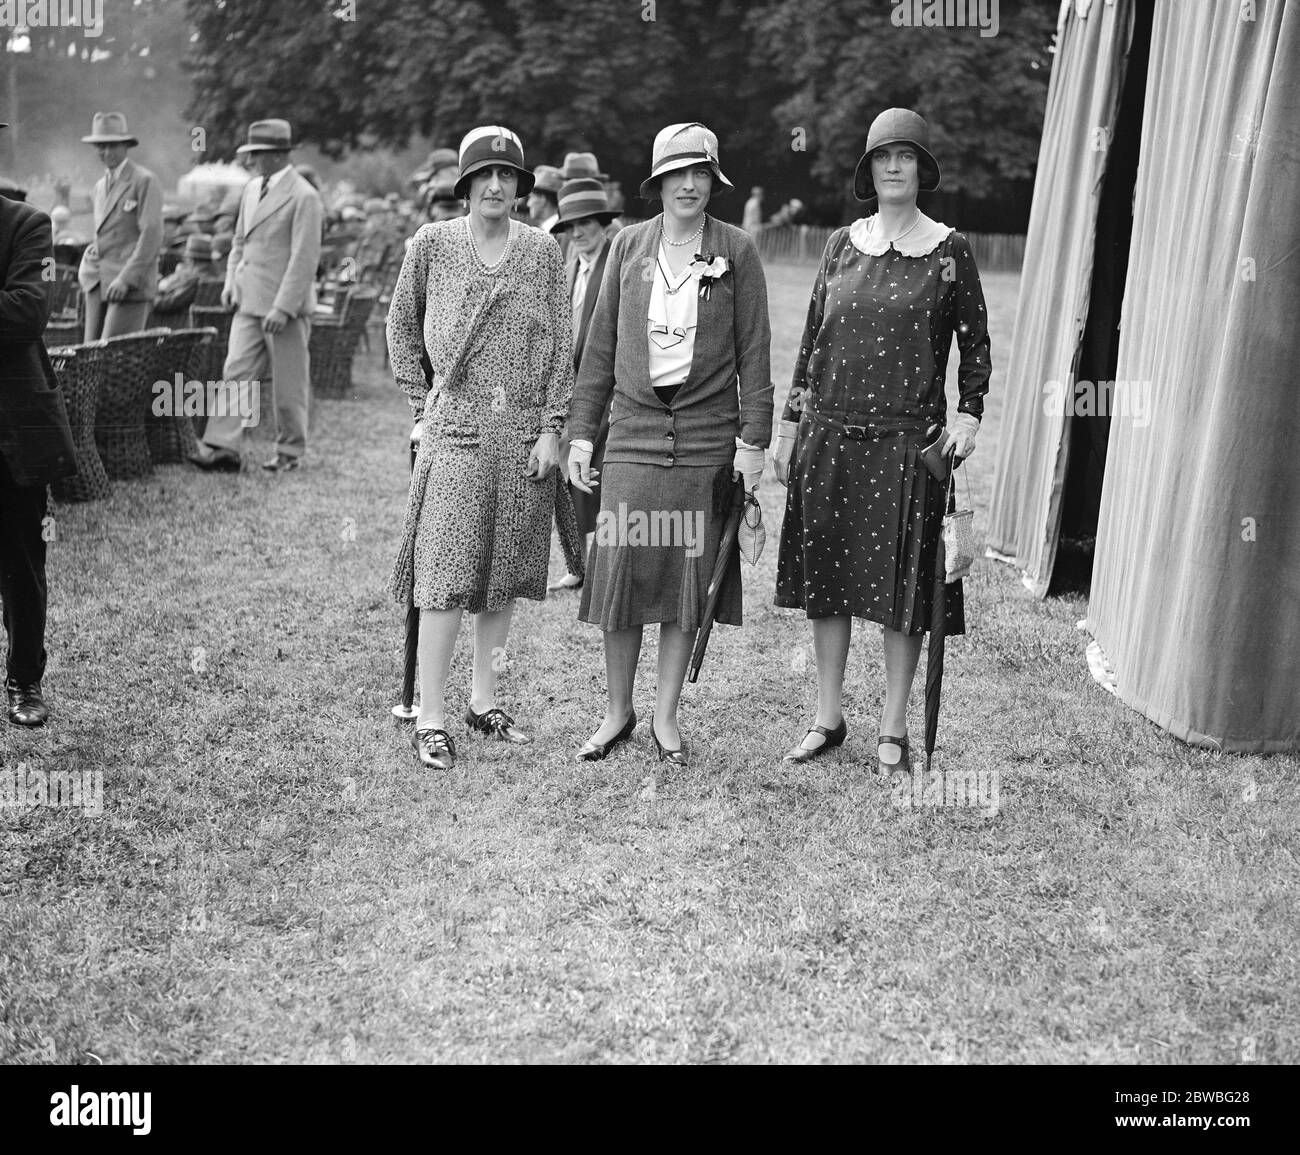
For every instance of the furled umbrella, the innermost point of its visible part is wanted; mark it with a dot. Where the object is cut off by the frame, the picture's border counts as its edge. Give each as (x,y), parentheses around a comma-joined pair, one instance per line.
(938,629)
(727,549)
(405,709)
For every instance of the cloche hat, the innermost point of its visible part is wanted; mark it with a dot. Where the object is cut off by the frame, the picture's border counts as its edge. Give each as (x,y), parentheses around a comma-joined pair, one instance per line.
(580,199)
(492,144)
(681,146)
(897,126)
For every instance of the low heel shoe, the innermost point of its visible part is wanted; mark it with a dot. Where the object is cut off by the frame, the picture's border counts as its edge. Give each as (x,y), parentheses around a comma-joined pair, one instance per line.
(434,748)
(496,723)
(834,736)
(595,751)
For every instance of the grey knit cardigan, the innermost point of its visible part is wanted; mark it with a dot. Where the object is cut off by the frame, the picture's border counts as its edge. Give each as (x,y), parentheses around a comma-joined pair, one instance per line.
(728,392)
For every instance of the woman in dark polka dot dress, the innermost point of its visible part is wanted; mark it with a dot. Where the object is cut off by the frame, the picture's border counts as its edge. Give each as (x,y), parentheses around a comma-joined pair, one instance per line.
(863,515)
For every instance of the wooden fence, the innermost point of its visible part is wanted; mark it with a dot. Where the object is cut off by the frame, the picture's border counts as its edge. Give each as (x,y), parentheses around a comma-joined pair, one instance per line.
(803,244)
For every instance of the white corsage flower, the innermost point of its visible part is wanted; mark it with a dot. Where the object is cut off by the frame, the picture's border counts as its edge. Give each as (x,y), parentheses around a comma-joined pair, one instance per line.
(707,268)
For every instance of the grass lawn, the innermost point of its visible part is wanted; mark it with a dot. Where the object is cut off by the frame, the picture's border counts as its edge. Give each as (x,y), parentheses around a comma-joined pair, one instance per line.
(273,879)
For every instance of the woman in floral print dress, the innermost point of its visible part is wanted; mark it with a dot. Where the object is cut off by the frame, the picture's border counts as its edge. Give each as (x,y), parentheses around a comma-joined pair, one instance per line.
(479,335)
(863,515)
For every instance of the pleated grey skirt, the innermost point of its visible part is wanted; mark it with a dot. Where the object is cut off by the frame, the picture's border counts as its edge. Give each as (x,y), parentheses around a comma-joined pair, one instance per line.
(656,544)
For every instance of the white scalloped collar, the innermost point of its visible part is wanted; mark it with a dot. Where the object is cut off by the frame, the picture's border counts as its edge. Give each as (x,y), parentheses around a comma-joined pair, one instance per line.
(927,236)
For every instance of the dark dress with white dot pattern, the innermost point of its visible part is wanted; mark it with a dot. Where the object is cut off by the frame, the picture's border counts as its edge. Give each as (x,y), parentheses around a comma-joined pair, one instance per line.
(863,515)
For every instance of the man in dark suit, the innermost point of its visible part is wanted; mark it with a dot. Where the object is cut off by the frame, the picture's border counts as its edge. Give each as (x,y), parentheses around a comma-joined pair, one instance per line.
(35,449)
(584,216)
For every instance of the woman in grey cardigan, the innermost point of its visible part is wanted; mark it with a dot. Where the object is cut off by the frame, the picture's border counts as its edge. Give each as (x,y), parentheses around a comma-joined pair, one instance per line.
(680,339)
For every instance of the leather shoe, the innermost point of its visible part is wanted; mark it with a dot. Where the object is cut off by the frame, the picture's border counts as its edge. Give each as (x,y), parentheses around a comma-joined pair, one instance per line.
(497,723)
(834,737)
(672,757)
(595,751)
(26,706)
(904,764)
(434,748)
(218,460)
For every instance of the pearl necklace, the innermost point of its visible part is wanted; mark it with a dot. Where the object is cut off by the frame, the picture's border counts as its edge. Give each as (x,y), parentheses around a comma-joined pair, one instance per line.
(473,244)
(678,244)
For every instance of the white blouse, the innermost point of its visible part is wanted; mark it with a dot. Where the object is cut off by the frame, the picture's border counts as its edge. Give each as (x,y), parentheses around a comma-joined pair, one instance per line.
(670,323)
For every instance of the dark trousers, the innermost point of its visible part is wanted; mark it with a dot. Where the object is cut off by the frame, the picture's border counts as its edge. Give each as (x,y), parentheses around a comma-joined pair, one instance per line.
(22,575)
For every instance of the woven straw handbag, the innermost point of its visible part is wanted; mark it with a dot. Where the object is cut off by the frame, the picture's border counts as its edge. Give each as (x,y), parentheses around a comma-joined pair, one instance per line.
(958,536)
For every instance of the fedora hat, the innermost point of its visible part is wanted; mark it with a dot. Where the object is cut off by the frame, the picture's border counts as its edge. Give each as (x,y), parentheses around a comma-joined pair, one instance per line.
(108,128)
(681,146)
(437,160)
(440,190)
(580,165)
(268,136)
(580,199)
(489,145)
(547,178)
(897,126)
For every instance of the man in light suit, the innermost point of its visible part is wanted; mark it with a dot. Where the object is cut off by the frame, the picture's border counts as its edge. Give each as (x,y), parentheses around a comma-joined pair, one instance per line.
(270,281)
(35,449)
(584,216)
(119,270)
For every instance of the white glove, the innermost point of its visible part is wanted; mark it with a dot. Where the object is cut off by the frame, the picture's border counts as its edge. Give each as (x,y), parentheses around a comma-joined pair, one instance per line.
(749,464)
(961,436)
(580,475)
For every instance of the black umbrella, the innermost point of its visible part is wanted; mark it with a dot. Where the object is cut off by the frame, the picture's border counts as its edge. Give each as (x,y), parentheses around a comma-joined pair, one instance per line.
(405,709)
(938,627)
(726,550)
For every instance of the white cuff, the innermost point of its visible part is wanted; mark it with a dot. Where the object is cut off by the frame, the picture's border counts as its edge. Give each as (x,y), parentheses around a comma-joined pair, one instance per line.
(580,443)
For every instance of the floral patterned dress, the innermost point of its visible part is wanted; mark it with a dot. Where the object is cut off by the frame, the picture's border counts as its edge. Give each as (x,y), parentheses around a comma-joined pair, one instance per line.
(485,356)
(863,515)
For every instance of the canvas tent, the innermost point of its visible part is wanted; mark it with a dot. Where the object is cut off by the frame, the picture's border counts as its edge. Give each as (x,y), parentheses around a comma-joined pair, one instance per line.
(1163,256)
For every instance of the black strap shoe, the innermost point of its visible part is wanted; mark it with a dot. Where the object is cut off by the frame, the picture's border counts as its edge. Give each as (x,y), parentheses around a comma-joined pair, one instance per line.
(26,706)
(904,764)
(434,748)
(497,724)
(834,737)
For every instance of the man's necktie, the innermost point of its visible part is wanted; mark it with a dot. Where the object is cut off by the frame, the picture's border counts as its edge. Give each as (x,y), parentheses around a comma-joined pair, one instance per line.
(579,295)
(266,184)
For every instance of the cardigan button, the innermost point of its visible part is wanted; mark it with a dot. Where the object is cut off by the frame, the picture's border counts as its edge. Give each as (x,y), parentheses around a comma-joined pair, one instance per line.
(669,435)
(669,459)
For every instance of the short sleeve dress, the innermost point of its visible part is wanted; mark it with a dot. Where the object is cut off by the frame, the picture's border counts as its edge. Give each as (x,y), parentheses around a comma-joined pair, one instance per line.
(485,356)
(863,514)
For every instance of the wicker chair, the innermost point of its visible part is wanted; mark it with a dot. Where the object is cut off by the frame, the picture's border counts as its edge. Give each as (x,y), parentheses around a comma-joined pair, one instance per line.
(75,371)
(126,368)
(334,344)
(172,438)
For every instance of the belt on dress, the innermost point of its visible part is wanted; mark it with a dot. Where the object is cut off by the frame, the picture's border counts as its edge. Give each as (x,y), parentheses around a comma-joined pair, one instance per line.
(879,428)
